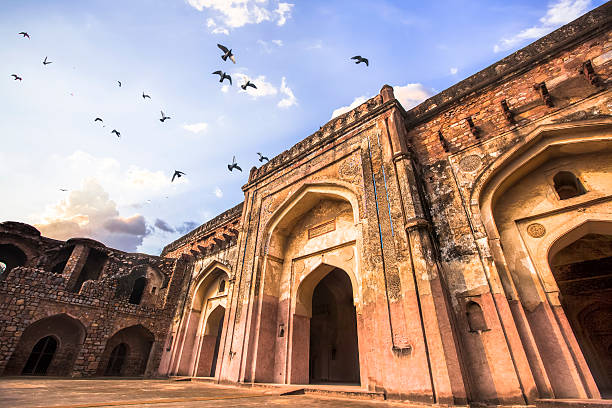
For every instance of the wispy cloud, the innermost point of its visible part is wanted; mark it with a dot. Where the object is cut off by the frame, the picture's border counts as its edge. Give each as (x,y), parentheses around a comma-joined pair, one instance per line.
(453,71)
(343,109)
(558,13)
(196,127)
(264,88)
(163,225)
(218,192)
(289,99)
(268,46)
(238,13)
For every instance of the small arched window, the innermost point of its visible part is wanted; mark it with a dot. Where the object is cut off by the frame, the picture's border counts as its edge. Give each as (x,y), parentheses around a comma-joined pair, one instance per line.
(475,317)
(567,185)
(138,290)
(222,286)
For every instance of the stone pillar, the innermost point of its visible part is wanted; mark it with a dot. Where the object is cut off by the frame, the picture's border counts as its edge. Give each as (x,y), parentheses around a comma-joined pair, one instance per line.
(75,264)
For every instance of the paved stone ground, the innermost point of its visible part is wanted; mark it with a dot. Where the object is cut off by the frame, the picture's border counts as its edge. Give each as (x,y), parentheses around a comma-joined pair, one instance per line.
(30,392)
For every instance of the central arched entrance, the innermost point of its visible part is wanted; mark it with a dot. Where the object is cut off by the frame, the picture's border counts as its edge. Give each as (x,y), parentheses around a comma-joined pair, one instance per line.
(583,273)
(334,352)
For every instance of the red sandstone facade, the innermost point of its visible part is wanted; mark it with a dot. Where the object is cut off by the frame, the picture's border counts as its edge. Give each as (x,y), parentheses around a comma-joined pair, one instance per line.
(456,253)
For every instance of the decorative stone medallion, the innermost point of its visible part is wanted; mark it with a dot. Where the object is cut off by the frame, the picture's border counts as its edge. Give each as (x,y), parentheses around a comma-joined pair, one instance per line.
(536,230)
(470,163)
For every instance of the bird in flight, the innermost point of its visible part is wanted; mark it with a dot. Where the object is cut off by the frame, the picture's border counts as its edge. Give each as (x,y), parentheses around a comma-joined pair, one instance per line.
(164,117)
(98,120)
(63,189)
(119,82)
(177,174)
(116,132)
(262,157)
(223,76)
(25,34)
(234,165)
(17,77)
(248,83)
(45,62)
(144,96)
(359,59)
(226,53)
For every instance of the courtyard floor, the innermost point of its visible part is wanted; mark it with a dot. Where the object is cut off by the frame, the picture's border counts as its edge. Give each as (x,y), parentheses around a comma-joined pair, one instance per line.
(29,392)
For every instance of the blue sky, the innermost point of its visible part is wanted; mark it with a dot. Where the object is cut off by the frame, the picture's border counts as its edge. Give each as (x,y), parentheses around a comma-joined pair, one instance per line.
(296,52)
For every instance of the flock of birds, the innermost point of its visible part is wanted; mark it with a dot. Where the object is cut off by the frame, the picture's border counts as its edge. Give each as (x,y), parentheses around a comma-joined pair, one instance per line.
(227,54)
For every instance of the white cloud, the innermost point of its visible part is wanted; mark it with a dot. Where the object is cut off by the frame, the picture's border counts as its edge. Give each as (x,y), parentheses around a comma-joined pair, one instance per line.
(454,71)
(225,88)
(290,99)
(317,45)
(267,47)
(558,13)
(284,12)
(196,127)
(343,109)
(408,95)
(220,30)
(89,212)
(278,42)
(238,13)
(264,88)
(218,192)
(210,23)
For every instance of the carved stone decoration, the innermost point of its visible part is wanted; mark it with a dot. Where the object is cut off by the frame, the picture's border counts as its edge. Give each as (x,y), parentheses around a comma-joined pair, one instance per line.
(536,230)
(470,163)
(349,170)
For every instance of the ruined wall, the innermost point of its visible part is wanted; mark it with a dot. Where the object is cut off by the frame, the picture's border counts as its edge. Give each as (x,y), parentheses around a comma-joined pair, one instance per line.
(40,292)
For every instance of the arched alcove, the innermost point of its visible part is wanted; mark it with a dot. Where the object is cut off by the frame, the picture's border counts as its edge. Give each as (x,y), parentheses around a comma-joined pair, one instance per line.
(137,341)
(54,356)
(12,257)
(137,290)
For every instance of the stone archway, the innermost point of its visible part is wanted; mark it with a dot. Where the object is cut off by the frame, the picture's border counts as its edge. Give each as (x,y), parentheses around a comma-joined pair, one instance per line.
(583,273)
(333,345)
(194,348)
(137,341)
(35,356)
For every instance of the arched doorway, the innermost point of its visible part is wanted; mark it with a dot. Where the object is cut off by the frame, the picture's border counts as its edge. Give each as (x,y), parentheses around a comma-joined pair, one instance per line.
(334,352)
(583,273)
(129,360)
(11,256)
(211,340)
(116,360)
(40,357)
(48,346)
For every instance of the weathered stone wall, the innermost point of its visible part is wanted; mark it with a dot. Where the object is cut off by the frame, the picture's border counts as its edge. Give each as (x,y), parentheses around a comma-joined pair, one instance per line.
(31,294)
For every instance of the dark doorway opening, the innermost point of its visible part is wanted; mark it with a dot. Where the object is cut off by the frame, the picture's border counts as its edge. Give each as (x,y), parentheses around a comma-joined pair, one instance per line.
(583,272)
(116,360)
(219,328)
(11,256)
(138,290)
(40,357)
(334,352)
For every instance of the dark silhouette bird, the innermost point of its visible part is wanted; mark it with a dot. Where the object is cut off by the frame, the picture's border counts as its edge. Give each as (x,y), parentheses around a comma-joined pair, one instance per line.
(63,189)
(17,77)
(227,53)
(178,174)
(234,165)
(262,157)
(164,117)
(248,83)
(119,82)
(359,59)
(144,96)
(25,34)
(223,76)
(45,62)
(116,132)
(98,120)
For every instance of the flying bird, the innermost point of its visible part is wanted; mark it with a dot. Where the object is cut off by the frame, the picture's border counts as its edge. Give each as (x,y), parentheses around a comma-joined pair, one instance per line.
(63,189)
(25,34)
(359,59)
(144,96)
(248,83)
(116,132)
(234,165)
(223,76)
(98,120)
(226,53)
(178,174)
(17,77)
(119,82)
(164,117)
(45,62)
(262,157)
